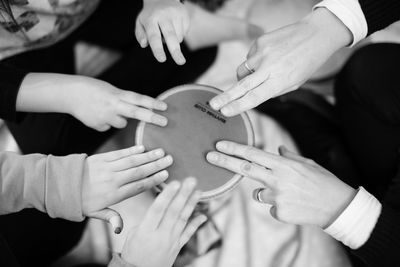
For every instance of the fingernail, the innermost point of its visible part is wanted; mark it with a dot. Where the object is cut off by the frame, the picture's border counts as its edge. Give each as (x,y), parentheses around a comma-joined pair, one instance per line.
(175,185)
(215,103)
(117,230)
(159,120)
(169,159)
(181,60)
(191,181)
(203,218)
(222,145)
(140,147)
(227,111)
(143,43)
(161,58)
(212,157)
(163,174)
(162,106)
(282,150)
(159,152)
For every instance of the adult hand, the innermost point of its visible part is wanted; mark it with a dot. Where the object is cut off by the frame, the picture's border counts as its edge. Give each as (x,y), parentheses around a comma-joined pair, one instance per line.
(283,60)
(163,18)
(118,175)
(299,190)
(166,227)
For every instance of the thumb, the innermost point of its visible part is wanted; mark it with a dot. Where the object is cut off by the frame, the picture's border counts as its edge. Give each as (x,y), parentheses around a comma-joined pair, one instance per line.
(111,216)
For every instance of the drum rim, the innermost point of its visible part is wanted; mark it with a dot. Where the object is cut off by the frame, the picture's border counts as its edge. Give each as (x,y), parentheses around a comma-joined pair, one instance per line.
(228,186)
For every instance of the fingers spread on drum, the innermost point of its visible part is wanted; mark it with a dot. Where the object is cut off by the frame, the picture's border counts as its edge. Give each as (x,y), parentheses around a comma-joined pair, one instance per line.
(243,167)
(250,153)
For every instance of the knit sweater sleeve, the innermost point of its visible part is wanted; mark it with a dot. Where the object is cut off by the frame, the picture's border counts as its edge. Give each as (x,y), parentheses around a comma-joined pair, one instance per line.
(383,246)
(10,81)
(380,14)
(47,183)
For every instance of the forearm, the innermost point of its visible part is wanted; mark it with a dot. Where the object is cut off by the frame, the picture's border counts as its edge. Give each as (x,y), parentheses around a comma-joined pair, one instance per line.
(364,17)
(22,182)
(354,225)
(47,183)
(46,92)
(349,12)
(330,31)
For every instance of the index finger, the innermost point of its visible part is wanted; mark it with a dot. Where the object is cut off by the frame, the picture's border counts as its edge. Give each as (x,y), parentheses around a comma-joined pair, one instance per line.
(143,100)
(122,153)
(171,38)
(250,153)
(242,167)
(157,210)
(250,100)
(142,114)
(155,42)
(238,90)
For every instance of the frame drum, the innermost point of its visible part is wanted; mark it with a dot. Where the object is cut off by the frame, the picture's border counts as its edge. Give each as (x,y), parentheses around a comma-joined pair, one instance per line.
(193,130)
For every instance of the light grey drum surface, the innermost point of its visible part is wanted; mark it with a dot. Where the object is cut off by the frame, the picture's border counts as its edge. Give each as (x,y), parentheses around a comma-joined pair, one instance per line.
(193,130)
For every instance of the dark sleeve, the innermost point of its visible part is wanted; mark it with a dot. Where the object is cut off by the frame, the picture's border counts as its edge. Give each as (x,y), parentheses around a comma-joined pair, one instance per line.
(7,258)
(10,81)
(380,13)
(383,247)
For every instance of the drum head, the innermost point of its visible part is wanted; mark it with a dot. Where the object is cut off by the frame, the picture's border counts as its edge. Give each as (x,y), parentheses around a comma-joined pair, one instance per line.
(193,130)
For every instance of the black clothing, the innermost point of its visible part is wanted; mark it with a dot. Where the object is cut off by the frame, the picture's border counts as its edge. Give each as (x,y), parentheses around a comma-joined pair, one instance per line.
(34,238)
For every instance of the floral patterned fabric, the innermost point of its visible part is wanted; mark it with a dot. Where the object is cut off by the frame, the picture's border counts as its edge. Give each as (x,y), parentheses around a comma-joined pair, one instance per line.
(32,24)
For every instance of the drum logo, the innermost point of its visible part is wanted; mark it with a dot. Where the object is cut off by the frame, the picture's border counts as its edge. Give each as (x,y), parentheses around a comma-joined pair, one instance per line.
(210,112)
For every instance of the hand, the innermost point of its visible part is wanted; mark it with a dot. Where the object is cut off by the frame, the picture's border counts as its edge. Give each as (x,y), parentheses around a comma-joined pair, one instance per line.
(166,227)
(299,190)
(281,61)
(163,18)
(118,175)
(95,103)
(100,105)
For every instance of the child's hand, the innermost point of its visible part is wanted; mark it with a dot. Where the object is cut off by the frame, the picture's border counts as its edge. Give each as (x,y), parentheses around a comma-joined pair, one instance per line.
(158,19)
(166,227)
(115,176)
(100,105)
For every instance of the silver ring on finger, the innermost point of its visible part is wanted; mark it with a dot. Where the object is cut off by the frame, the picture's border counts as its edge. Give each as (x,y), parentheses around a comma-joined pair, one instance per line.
(257,195)
(246,65)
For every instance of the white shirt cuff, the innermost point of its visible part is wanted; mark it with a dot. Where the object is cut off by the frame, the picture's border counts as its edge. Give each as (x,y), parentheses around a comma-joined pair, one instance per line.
(351,15)
(354,226)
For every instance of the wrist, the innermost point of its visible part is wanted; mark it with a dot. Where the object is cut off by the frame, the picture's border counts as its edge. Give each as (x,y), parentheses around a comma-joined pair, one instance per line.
(329,28)
(71,91)
(356,223)
(340,202)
